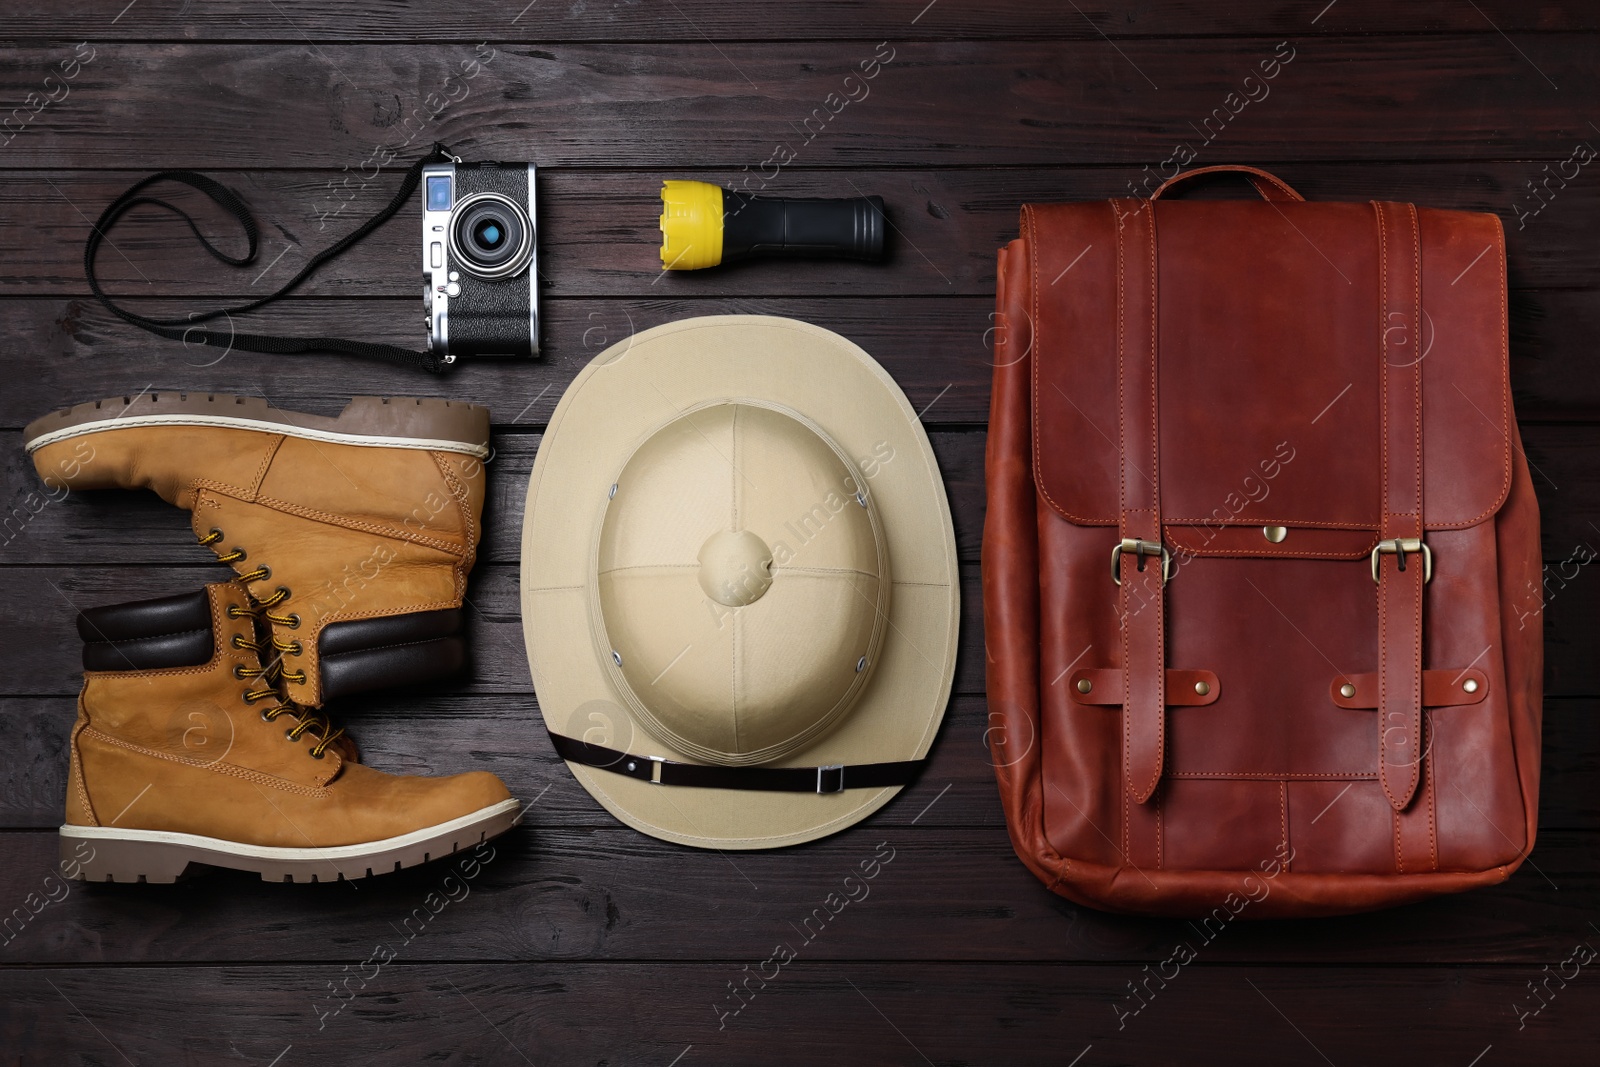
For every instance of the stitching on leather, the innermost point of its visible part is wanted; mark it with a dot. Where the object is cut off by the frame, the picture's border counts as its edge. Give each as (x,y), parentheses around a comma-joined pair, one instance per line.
(1399,856)
(1035,346)
(1155,509)
(1283,812)
(1360,776)
(1383,406)
(114,641)
(76,761)
(1243,553)
(231,769)
(469,527)
(219,650)
(1122,507)
(1160,848)
(1428,785)
(1311,523)
(1415,725)
(267,457)
(345,523)
(404,609)
(1506,426)
(335,657)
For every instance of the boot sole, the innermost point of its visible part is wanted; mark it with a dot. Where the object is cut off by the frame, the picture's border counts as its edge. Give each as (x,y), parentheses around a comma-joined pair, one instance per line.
(367,421)
(164,856)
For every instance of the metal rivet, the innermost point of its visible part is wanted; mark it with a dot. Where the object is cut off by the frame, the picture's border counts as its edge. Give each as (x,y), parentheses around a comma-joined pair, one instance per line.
(632,766)
(1347,690)
(1274,534)
(1203,688)
(1084,685)
(616,657)
(861,664)
(1470,685)
(613,492)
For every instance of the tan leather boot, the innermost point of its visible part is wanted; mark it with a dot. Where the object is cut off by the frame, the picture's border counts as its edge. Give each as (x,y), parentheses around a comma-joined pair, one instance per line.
(184,753)
(356,533)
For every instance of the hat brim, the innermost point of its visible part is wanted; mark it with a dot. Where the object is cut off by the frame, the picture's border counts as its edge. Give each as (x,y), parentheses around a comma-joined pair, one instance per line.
(629,391)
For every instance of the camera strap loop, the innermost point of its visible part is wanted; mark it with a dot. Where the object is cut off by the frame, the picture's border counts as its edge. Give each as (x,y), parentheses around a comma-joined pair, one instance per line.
(184,329)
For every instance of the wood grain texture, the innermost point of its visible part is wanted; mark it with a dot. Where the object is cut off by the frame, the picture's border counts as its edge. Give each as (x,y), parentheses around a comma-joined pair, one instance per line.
(607,893)
(812,1012)
(441,730)
(626,105)
(601,237)
(825,20)
(582,942)
(41,526)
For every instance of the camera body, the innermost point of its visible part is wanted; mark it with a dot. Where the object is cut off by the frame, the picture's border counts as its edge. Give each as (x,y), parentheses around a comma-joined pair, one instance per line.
(480,245)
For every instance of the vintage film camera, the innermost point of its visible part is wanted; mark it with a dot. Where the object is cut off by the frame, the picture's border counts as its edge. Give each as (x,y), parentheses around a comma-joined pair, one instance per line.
(480,244)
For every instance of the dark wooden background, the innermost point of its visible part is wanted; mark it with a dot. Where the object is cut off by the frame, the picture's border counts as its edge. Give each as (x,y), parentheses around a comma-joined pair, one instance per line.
(583,942)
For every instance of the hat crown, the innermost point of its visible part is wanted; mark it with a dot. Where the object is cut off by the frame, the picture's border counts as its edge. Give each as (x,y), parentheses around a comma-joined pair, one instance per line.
(743,583)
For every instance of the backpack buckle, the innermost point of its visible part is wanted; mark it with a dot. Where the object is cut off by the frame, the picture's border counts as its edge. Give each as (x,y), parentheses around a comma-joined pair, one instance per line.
(1140,549)
(1400,546)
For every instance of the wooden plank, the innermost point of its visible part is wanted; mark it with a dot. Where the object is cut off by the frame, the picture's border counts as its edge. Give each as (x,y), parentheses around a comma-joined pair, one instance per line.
(628,105)
(826,20)
(609,893)
(441,731)
(39,641)
(41,526)
(600,233)
(808,1012)
(937,349)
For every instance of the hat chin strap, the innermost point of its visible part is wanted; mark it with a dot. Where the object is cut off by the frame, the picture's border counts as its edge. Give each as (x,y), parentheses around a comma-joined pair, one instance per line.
(831,778)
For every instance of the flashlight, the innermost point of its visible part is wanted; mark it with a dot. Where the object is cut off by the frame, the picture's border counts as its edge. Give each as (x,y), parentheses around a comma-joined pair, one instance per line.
(703,225)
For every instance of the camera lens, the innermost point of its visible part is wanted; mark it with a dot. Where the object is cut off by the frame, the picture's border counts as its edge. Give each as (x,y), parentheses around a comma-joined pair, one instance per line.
(490,235)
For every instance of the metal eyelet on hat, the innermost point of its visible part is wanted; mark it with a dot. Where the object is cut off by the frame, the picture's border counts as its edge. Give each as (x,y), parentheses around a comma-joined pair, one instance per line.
(861,498)
(616,657)
(613,491)
(861,664)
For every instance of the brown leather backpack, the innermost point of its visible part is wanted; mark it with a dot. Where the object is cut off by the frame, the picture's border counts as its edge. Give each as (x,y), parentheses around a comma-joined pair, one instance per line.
(1261,567)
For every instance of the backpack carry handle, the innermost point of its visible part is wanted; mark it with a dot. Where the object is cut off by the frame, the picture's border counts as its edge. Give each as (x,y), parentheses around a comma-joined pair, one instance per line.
(1270,186)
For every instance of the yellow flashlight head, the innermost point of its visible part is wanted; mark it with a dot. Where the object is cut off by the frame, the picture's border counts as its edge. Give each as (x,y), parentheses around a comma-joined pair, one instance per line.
(691,225)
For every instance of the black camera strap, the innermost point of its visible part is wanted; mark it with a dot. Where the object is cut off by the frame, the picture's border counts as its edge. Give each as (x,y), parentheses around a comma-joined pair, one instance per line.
(185,330)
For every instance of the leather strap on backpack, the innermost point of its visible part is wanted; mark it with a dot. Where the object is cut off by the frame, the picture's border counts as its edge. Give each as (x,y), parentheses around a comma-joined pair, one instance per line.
(1142,561)
(1402,563)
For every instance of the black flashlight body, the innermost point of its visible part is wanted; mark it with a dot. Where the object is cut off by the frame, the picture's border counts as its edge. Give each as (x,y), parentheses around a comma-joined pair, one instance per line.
(801,227)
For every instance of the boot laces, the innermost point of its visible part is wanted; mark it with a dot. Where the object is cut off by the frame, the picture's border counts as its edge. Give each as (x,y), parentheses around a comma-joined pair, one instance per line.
(307,720)
(261,608)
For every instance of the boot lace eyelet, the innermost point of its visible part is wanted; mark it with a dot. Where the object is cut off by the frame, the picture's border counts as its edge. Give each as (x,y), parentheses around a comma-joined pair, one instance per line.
(316,753)
(295,623)
(238,672)
(266,715)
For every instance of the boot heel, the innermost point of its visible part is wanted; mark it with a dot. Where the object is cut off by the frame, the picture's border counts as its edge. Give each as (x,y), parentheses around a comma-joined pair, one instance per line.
(418,418)
(105,860)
